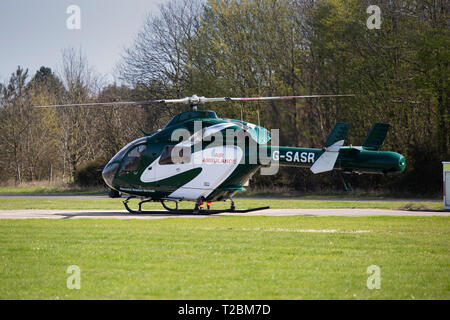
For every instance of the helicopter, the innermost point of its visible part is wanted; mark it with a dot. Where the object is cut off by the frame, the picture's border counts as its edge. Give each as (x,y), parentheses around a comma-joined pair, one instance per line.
(202,158)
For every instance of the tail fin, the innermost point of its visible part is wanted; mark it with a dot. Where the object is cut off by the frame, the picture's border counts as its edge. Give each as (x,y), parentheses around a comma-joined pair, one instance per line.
(376,136)
(338,133)
(332,146)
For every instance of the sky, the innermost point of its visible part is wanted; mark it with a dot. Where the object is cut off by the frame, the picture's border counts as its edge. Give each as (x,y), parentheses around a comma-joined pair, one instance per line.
(33,33)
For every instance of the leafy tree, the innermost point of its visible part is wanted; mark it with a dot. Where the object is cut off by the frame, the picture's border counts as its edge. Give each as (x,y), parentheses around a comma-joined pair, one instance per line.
(16,115)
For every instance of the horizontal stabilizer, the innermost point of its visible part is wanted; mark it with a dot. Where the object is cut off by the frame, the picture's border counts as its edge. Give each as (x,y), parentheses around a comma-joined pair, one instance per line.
(376,136)
(327,160)
(338,133)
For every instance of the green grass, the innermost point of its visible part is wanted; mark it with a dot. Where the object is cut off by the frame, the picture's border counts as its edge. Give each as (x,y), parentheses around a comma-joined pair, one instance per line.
(226,258)
(116,204)
(50,190)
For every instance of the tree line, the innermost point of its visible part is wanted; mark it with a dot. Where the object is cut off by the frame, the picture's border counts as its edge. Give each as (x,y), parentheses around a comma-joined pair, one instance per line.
(398,73)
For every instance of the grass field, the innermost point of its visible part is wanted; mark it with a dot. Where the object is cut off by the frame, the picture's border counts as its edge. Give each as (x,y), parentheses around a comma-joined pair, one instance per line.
(226,258)
(62,188)
(49,189)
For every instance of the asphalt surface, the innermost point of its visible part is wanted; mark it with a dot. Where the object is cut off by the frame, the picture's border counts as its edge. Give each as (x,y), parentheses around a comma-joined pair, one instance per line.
(117,214)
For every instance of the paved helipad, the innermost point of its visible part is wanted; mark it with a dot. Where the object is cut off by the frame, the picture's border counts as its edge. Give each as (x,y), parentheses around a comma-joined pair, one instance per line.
(117,214)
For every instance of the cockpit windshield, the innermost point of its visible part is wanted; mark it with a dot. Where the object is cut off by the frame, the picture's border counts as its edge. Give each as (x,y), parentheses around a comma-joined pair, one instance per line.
(133,159)
(118,157)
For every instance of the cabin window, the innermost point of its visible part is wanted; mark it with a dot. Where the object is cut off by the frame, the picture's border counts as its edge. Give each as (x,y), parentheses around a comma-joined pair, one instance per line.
(133,159)
(175,155)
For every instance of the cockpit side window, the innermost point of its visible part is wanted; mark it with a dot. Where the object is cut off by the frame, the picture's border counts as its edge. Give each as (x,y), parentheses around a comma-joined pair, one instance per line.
(175,155)
(133,159)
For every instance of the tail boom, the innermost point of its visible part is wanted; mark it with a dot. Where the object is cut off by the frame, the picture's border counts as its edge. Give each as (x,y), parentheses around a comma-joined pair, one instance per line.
(348,159)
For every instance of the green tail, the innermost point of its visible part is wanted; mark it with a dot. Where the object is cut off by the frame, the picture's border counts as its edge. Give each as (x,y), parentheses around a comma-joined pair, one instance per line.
(338,133)
(376,136)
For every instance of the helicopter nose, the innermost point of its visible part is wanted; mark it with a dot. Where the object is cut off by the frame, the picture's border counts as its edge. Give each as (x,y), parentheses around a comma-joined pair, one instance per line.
(109,172)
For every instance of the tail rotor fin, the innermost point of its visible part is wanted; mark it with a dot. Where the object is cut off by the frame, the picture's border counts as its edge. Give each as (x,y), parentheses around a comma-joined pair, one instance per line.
(332,146)
(339,132)
(376,136)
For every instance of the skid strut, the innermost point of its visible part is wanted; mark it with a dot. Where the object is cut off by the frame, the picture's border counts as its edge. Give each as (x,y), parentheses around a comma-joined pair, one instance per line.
(197,210)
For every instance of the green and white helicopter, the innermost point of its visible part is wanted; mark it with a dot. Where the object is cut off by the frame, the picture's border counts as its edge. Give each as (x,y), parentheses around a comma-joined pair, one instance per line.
(202,158)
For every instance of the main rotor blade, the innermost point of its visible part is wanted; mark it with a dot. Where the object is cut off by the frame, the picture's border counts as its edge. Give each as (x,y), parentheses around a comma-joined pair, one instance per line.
(204,100)
(119,103)
(194,100)
(291,97)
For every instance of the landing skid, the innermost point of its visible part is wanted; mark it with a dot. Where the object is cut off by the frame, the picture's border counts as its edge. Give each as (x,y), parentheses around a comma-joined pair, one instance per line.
(195,211)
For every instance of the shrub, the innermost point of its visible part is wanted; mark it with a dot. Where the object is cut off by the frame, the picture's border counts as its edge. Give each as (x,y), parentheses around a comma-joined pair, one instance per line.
(90,174)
